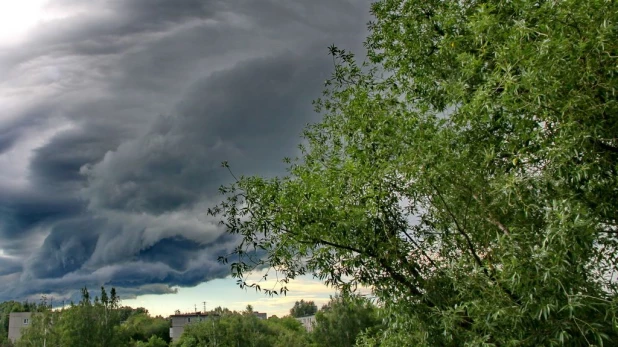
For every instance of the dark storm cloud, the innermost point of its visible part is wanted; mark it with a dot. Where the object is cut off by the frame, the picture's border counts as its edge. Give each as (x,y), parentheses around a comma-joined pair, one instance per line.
(21,212)
(7,138)
(9,266)
(171,251)
(66,249)
(153,13)
(120,116)
(250,115)
(59,162)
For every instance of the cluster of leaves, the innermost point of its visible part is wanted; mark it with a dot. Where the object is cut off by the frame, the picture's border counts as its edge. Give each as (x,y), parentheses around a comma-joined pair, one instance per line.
(467,173)
(98,322)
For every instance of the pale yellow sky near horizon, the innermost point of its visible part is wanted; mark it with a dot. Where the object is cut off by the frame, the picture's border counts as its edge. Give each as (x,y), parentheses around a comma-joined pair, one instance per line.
(226,293)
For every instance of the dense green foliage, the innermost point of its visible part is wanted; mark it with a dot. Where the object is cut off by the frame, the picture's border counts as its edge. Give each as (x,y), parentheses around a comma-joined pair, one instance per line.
(303,308)
(93,323)
(466,173)
(142,327)
(244,329)
(153,341)
(343,319)
(98,322)
(338,323)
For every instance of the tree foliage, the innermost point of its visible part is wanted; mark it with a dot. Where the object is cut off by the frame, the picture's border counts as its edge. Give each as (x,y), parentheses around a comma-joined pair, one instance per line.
(303,308)
(343,319)
(466,172)
(244,329)
(153,341)
(142,327)
(94,322)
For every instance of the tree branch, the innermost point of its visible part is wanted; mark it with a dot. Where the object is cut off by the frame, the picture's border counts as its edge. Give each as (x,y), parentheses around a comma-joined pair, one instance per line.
(472,249)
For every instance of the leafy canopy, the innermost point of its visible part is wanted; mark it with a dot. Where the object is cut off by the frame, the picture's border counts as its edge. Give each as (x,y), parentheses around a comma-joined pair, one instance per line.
(303,308)
(466,172)
(94,323)
(244,329)
(343,319)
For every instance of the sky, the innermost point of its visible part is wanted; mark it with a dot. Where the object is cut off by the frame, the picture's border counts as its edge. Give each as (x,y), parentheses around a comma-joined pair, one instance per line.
(114,118)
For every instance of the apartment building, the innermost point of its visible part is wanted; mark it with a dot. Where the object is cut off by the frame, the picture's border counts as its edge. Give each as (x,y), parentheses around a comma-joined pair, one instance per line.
(180,320)
(17,322)
(308,322)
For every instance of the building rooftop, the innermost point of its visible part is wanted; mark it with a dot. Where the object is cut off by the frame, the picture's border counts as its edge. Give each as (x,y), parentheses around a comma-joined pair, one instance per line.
(192,314)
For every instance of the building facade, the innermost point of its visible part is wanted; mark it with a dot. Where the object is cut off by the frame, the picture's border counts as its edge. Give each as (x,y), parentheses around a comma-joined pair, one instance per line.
(180,320)
(308,322)
(17,322)
(260,315)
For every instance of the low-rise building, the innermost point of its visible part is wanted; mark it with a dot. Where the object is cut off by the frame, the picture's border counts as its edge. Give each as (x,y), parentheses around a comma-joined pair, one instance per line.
(260,315)
(17,322)
(180,320)
(308,322)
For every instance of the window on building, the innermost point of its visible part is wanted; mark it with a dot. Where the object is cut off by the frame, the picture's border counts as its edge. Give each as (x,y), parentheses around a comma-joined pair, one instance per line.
(26,321)
(189,319)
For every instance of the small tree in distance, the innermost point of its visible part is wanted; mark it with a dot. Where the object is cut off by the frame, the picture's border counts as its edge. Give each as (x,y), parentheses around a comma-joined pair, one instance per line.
(343,319)
(303,308)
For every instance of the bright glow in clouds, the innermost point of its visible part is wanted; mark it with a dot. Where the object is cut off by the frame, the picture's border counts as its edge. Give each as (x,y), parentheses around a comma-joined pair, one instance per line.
(17,17)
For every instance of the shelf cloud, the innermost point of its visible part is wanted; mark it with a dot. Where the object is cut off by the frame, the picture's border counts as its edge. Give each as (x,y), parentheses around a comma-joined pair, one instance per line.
(114,120)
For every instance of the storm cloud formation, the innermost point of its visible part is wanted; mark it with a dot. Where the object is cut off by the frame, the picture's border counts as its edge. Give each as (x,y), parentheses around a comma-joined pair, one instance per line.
(115,117)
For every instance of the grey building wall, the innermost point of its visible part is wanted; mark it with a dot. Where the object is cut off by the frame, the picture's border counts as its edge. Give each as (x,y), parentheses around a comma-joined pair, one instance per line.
(260,315)
(179,321)
(17,322)
(307,322)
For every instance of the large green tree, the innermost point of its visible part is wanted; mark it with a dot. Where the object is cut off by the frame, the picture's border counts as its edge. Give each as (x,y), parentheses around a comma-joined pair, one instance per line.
(303,308)
(343,319)
(141,327)
(466,172)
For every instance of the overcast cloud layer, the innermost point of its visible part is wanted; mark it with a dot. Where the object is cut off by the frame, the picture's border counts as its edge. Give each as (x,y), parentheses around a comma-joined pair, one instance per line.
(115,117)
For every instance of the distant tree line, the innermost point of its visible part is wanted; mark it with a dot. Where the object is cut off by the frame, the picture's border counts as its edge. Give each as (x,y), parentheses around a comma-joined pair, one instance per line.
(92,322)
(102,322)
(341,322)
